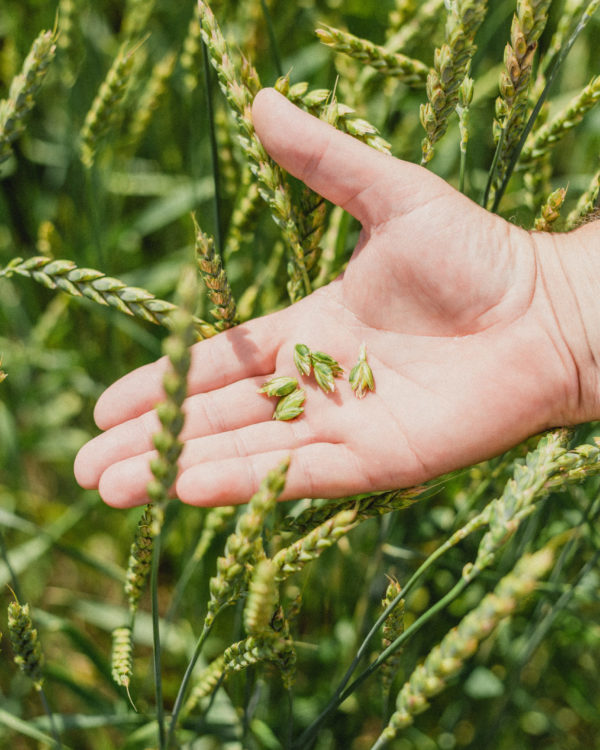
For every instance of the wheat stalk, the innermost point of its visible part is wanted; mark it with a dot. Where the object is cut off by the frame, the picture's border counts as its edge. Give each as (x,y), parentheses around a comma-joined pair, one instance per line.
(450,66)
(150,99)
(106,108)
(23,89)
(25,643)
(104,290)
(273,188)
(446,659)
(293,558)
(406,69)
(550,211)
(244,546)
(527,26)
(177,349)
(214,276)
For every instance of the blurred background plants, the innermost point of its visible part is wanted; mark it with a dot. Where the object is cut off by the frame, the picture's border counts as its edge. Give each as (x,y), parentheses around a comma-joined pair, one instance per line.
(112,130)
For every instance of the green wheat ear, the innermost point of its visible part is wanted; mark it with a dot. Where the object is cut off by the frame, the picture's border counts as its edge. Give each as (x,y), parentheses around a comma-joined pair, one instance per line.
(25,643)
(23,89)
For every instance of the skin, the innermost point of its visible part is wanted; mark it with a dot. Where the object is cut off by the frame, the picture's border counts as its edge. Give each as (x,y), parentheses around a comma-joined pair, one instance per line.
(478,333)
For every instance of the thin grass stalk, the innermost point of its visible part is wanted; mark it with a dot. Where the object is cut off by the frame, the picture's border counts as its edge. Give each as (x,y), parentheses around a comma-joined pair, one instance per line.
(273,46)
(446,659)
(102,289)
(585,18)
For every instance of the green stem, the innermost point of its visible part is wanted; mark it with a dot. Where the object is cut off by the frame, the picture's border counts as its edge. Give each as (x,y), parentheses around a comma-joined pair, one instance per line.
(341,694)
(185,682)
(214,151)
(587,14)
(272,38)
(50,714)
(160,709)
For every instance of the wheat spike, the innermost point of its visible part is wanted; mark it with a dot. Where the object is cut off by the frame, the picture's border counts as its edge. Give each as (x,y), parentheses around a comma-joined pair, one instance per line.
(87,282)
(393,627)
(140,558)
(106,108)
(446,659)
(244,546)
(586,205)
(550,212)
(25,643)
(23,89)
(215,278)
(177,349)
(293,558)
(450,66)
(263,596)
(406,69)
(272,185)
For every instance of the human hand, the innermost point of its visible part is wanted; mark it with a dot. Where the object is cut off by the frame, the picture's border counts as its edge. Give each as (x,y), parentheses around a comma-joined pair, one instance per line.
(460,312)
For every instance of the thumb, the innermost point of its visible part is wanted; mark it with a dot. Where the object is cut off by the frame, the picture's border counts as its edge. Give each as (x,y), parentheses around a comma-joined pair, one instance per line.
(370,185)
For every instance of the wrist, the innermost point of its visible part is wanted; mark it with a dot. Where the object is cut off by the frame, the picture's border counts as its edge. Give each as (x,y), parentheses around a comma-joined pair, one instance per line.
(569,274)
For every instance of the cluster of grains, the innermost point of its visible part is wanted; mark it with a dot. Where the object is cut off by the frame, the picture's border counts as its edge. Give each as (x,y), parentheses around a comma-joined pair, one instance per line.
(293,558)
(215,521)
(366,507)
(104,290)
(406,69)
(586,205)
(22,91)
(550,211)
(393,627)
(191,55)
(140,559)
(272,185)
(528,24)
(166,441)
(122,657)
(25,643)
(263,596)
(214,276)
(320,103)
(361,375)
(446,659)
(291,398)
(136,16)
(106,108)
(245,214)
(324,367)
(244,547)
(150,99)
(451,65)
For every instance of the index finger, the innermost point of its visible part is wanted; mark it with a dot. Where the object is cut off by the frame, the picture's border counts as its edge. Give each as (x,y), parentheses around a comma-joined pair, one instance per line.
(242,352)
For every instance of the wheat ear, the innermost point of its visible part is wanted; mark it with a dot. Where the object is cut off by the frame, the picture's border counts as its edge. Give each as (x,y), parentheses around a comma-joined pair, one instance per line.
(293,558)
(205,683)
(527,26)
(23,89)
(140,558)
(136,16)
(586,205)
(87,282)
(150,99)
(214,276)
(170,413)
(550,211)
(215,521)
(540,142)
(106,108)
(263,596)
(406,69)
(393,627)
(450,66)
(245,215)
(446,659)
(244,546)
(25,643)
(122,657)
(273,188)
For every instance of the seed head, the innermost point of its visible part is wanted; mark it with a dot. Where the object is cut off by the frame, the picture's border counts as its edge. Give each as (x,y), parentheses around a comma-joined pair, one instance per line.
(290,406)
(281,386)
(361,375)
(26,645)
(302,359)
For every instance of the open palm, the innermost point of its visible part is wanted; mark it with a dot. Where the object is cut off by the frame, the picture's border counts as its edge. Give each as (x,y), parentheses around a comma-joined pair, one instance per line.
(449,301)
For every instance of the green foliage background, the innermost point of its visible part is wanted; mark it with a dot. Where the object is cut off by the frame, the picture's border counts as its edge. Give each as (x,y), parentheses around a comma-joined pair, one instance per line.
(533,685)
